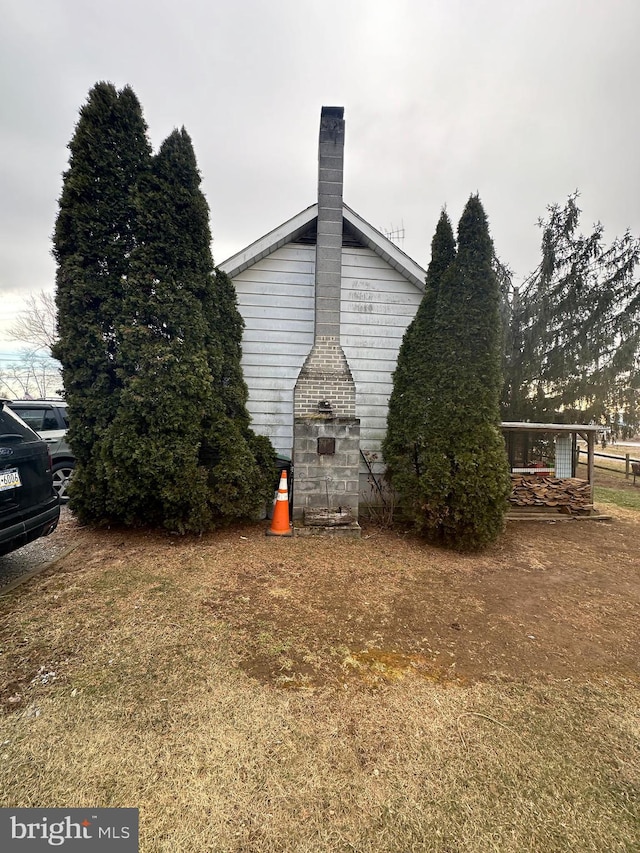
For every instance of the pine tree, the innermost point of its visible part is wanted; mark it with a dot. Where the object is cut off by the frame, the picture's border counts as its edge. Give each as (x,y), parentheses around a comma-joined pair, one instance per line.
(406,447)
(95,234)
(573,349)
(467,505)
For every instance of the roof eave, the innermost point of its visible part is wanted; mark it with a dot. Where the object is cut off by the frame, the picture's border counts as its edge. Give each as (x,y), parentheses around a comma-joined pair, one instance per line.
(385,248)
(292,228)
(285,233)
(526,426)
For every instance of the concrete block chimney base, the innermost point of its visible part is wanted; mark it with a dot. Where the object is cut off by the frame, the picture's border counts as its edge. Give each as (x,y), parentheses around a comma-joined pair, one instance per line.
(326,461)
(345,531)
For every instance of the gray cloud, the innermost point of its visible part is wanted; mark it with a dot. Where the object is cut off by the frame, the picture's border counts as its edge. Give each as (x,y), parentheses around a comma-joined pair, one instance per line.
(524,102)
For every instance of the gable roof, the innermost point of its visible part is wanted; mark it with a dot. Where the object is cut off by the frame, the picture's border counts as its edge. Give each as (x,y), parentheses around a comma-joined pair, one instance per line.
(293,228)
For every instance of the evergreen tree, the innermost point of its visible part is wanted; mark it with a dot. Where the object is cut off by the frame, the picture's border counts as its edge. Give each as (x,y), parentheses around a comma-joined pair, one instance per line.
(241,464)
(150,451)
(95,234)
(466,506)
(406,447)
(150,335)
(224,345)
(181,336)
(573,347)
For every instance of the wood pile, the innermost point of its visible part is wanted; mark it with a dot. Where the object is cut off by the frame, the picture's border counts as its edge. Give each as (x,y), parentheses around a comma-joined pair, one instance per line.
(568,495)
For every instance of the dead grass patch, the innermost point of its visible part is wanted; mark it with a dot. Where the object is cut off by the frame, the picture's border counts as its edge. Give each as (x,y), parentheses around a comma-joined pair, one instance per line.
(252,695)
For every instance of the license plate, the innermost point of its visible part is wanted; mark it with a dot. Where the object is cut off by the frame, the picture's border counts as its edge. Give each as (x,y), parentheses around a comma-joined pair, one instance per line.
(9,479)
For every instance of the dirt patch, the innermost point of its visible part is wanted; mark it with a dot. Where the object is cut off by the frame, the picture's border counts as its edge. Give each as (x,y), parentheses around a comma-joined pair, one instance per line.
(550,600)
(555,600)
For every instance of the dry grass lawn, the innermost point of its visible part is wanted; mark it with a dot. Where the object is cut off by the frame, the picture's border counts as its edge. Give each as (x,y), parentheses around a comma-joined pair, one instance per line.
(252,694)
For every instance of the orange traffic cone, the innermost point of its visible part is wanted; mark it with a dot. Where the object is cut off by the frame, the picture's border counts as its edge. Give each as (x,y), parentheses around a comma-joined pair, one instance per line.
(280,521)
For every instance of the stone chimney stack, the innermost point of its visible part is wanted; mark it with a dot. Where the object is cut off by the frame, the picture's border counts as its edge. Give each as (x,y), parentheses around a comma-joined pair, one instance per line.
(326,442)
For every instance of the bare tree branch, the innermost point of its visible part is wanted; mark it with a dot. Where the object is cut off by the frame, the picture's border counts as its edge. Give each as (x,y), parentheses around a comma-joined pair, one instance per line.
(31,376)
(36,323)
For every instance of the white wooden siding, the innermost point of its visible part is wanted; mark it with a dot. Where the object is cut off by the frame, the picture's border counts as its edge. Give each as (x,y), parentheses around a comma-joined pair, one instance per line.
(276,300)
(377,305)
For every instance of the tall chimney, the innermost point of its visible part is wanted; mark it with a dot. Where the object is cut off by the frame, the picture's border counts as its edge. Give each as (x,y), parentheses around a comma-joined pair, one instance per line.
(325,375)
(326,436)
(329,240)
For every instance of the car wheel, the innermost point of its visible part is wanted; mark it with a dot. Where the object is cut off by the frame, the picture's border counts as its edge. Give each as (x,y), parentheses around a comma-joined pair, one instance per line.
(62,473)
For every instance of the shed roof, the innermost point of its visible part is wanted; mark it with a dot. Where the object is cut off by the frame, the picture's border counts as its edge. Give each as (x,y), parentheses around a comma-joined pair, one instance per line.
(297,225)
(525,426)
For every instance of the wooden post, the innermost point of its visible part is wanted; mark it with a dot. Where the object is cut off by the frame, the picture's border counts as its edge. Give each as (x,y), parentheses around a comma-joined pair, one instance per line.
(591,443)
(627,466)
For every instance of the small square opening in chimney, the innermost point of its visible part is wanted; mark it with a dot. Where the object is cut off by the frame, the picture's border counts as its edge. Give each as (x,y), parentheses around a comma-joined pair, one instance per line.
(326,446)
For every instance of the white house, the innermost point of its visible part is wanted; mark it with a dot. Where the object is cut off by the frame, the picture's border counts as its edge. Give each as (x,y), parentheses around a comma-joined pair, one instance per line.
(326,299)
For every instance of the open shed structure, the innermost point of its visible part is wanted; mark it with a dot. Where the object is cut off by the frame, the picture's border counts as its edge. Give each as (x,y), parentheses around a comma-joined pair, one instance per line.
(544,463)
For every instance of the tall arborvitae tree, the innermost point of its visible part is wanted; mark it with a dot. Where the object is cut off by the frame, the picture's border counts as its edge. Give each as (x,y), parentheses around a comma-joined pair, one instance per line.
(224,345)
(149,334)
(468,476)
(180,357)
(150,451)
(95,234)
(573,350)
(241,464)
(406,447)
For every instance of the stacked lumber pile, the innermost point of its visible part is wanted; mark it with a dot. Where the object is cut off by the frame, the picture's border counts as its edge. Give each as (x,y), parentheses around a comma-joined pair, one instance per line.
(568,495)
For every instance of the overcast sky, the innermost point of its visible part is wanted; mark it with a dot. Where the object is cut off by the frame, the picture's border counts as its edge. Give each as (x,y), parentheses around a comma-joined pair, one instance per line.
(521,101)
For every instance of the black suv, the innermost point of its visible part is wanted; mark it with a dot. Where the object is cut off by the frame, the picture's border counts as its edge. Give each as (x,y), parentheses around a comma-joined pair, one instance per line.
(29,506)
(49,419)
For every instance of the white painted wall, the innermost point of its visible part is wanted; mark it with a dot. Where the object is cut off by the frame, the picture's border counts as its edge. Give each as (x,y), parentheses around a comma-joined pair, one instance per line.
(377,305)
(276,299)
